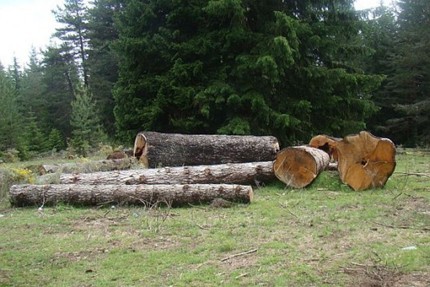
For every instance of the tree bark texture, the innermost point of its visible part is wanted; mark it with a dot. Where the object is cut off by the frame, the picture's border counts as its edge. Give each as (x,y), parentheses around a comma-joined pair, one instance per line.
(90,166)
(92,195)
(160,149)
(298,166)
(237,173)
(364,160)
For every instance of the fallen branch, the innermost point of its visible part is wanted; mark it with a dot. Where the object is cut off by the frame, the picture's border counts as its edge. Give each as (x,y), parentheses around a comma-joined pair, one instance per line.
(239,254)
(414,173)
(401,226)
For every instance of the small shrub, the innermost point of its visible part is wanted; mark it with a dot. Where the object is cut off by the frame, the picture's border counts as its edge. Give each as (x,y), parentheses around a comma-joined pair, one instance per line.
(10,155)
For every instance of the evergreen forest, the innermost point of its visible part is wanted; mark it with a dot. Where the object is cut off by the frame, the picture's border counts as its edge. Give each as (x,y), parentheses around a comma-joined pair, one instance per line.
(291,69)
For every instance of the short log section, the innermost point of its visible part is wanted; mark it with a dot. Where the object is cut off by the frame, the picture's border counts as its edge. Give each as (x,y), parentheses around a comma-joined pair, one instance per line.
(365,161)
(155,149)
(234,173)
(94,195)
(325,143)
(298,166)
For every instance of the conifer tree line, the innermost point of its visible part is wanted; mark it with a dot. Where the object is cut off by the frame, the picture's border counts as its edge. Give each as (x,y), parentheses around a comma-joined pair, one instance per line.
(286,68)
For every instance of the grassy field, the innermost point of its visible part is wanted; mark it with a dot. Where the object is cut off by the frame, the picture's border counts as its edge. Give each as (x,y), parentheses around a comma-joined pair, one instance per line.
(325,235)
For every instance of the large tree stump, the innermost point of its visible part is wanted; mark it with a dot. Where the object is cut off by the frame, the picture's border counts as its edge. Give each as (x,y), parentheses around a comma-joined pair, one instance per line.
(170,194)
(161,149)
(89,166)
(364,160)
(237,173)
(299,166)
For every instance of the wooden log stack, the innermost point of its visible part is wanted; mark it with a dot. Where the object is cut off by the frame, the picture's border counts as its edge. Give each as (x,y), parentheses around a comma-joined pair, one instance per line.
(183,169)
(194,169)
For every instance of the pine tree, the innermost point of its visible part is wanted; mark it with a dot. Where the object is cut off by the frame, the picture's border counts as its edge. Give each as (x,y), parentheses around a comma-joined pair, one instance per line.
(60,77)
(10,117)
(87,131)
(73,32)
(55,140)
(102,61)
(408,84)
(32,99)
(285,68)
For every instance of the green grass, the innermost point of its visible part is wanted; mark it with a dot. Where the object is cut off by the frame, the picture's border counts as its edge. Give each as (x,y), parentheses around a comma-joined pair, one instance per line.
(324,235)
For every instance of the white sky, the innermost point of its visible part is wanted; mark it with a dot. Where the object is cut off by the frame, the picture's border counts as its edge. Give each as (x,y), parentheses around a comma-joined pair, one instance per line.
(27,23)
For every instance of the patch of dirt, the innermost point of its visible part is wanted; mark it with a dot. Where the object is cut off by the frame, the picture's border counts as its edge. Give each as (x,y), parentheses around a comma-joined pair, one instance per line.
(239,262)
(77,255)
(413,203)
(373,275)
(159,243)
(4,278)
(385,276)
(414,280)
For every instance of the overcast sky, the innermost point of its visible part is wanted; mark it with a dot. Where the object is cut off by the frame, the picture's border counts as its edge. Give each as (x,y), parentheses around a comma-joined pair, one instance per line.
(27,23)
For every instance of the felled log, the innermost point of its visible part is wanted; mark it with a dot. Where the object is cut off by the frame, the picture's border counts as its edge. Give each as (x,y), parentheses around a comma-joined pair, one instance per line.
(161,149)
(365,161)
(90,166)
(325,143)
(298,166)
(169,194)
(237,173)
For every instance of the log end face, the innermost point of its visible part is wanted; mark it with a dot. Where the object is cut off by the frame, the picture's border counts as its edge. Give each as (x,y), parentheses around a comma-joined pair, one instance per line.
(295,167)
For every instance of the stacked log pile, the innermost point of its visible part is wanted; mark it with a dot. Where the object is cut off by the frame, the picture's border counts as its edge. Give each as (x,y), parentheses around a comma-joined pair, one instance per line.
(183,169)
(192,169)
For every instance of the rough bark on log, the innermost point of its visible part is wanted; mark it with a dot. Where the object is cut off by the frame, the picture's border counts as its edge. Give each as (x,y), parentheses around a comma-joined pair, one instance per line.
(365,161)
(161,149)
(237,173)
(90,166)
(170,194)
(298,166)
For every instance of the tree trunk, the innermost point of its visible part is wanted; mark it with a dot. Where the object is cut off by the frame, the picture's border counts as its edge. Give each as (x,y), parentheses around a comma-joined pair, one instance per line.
(325,143)
(237,173)
(159,149)
(365,161)
(171,194)
(299,166)
(90,166)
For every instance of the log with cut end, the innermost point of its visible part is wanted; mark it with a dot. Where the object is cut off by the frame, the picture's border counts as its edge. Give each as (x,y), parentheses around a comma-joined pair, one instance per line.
(365,161)
(237,173)
(161,149)
(325,143)
(298,166)
(92,195)
(89,166)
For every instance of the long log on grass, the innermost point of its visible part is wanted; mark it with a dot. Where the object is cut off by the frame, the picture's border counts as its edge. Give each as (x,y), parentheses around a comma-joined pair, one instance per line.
(364,160)
(161,149)
(298,166)
(88,166)
(237,173)
(93,195)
